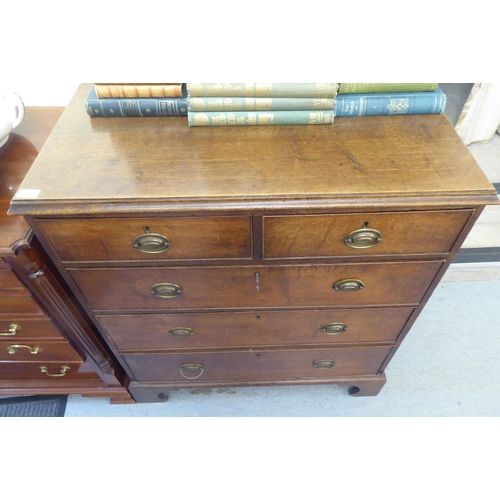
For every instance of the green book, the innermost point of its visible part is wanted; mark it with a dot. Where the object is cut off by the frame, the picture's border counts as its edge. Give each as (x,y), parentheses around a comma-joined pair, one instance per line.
(258,103)
(370,88)
(321,90)
(248,118)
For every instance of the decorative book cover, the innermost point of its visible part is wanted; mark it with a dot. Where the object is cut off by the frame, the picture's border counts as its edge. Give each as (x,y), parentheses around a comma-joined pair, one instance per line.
(249,118)
(318,90)
(369,88)
(258,103)
(413,103)
(137,90)
(134,107)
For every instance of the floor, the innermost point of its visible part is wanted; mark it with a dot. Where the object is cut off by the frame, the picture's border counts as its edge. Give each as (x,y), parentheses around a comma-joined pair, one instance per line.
(447,366)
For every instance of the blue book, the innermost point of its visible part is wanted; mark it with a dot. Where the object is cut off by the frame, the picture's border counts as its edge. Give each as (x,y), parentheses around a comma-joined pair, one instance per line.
(411,103)
(161,106)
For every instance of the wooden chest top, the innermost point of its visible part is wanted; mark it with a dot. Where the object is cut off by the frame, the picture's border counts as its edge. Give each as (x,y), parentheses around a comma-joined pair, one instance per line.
(100,165)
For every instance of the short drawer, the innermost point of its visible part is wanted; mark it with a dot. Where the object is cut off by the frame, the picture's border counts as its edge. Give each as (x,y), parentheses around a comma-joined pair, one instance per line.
(18,304)
(260,327)
(303,236)
(18,328)
(183,238)
(256,364)
(9,281)
(255,286)
(34,351)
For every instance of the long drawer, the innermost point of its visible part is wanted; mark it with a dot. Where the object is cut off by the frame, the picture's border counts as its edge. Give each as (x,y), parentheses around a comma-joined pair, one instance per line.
(44,371)
(306,236)
(256,364)
(20,328)
(18,304)
(35,351)
(167,238)
(259,327)
(9,281)
(255,286)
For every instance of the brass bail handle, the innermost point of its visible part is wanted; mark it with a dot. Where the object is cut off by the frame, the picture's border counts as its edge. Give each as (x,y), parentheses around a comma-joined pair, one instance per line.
(181,332)
(151,242)
(13,329)
(166,290)
(192,367)
(61,373)
(323,364)
(348,285)
(363,238)
(334,328)
(12,349)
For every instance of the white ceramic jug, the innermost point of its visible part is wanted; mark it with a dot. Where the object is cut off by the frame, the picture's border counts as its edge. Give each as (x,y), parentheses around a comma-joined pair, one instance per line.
(11,113)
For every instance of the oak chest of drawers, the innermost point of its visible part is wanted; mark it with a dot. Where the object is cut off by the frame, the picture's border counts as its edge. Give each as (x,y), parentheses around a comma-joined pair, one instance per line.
(250,256)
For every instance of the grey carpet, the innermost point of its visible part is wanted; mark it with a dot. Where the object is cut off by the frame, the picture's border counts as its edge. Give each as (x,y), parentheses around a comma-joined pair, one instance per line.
(33,406)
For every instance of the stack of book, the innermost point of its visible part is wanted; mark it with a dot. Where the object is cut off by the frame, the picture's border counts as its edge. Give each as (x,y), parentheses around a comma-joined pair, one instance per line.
(233,104)
(137,99)
(376,99)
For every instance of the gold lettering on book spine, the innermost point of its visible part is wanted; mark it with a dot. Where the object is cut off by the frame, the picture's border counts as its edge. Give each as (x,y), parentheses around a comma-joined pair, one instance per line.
(201,119)
(197,104)
(263,104)
(266,119)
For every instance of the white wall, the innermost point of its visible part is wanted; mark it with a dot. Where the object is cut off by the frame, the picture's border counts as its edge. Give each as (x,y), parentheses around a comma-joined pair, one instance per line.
(46,94)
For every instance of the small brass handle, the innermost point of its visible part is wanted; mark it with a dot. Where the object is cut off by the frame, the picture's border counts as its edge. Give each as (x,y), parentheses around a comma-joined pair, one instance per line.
(63,371)
(151,243)
(348,285)
(13,329)
(192,367)
(324,363)
(166,290)
(181,332)
(363,238)
(12,349)
(334,328)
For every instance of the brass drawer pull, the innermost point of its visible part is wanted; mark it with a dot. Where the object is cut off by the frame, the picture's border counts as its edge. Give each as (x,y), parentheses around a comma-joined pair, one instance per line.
(181,332)
(151,243)
(192,367)
(166,290)
(363,238)
(63,371)
(324,363)
(12,349)
(13,329)
(348,285)
(334,328)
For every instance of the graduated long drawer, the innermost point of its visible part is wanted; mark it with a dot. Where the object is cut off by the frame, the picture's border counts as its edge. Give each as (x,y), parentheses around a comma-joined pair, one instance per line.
(256,364)
(254,286)
(259,327)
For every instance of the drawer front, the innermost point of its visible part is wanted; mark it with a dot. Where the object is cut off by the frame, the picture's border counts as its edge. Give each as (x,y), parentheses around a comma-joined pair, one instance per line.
(34,351)
(17,328)
(277,286)
(44,371)
(256,364)
(9,281)
(367,234)
(12,305)
(260,327)
(185,238)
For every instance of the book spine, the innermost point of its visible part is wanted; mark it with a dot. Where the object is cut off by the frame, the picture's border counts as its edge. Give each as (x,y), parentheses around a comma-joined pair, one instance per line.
(130,91)
(367,88)
(248,118)
(317,90)
(257,104)
(136,107)
(390,104)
